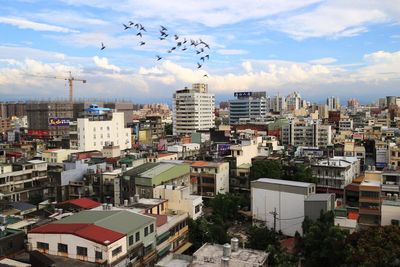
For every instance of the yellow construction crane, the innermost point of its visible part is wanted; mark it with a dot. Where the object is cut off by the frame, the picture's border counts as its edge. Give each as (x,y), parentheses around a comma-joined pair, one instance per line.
(70,80)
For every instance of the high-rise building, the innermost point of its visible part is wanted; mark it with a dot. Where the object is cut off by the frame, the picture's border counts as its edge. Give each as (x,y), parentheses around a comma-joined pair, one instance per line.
(277,103)
(293,101)
(49,119)
(249,106)
(309,133)
(333,103)
(193,109)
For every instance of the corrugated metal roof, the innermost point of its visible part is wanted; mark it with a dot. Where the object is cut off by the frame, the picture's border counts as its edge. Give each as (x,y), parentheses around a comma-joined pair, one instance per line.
(87,231)
(283,182)
(157,170)
(85,203)
(319,197)
(121,221)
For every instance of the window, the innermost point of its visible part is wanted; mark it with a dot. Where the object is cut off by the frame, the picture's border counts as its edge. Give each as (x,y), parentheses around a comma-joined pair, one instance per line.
(131,240)
(137,237)
(197,209)
(151,228)
(99,255)
(81,251)
(41,245)
(62,248)
(116,251)
(146,231)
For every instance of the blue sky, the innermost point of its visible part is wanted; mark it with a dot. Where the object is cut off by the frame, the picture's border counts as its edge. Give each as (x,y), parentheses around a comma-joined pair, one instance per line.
(319,48)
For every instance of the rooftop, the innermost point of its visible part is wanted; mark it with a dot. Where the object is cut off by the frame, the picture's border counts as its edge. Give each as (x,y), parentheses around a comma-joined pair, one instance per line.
(86,231)
(84,203)
(121,221)
(319,197)
(211,255)
(391,202)
(282,182)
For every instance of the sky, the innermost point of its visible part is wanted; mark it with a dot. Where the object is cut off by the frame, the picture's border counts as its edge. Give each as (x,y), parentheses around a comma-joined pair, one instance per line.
(318,48)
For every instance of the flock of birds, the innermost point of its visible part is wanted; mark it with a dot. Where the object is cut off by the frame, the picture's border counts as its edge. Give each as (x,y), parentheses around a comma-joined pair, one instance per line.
(200,47)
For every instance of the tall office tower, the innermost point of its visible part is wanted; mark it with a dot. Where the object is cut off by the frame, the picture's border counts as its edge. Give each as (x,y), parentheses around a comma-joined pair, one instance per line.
(248,106)
(193,109)
(333,103)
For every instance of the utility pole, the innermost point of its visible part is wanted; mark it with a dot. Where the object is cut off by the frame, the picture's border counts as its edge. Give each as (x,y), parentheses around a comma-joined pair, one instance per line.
(275,214)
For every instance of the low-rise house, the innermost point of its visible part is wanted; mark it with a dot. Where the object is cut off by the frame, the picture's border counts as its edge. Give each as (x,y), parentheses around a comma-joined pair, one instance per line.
(114,237)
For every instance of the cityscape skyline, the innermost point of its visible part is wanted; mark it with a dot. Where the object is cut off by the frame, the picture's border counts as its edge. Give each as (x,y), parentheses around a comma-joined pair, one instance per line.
(278,49)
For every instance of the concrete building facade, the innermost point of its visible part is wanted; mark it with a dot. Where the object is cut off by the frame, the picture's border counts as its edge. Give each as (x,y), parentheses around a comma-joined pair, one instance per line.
(193,109)
(93,134)
(279,204)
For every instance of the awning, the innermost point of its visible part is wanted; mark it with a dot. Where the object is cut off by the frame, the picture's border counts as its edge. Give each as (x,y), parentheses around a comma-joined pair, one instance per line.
(183,248)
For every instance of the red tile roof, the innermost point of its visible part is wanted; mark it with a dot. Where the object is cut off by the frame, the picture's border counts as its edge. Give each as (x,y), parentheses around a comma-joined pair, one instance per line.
(84,203)
(90,232)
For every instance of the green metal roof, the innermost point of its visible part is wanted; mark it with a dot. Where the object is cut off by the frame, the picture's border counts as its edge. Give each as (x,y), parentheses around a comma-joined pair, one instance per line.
(141,168)
(121,221)
(156,170)
(171,173)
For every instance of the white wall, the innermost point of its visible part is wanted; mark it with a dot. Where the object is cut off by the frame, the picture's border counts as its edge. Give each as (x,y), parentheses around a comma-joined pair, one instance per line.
(289,207)
(73,241)
(222,179)
(389,213)
(93,135)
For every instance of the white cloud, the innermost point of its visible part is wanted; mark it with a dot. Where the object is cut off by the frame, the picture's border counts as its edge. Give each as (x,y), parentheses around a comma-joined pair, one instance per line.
(247,66)
(36,26)
(323,61)
(207,12)
(380,69)
(102,62)
(231,51)
(337,18)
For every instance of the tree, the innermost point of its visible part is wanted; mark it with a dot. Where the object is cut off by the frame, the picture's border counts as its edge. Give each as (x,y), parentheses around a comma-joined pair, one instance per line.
(299,172)
(266,169)
(226,206)
(375,246)
(323,243)
(262,238)
(168,129)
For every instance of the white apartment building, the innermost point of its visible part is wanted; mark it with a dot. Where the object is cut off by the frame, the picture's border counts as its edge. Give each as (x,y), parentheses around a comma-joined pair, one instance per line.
(94,134)
(336,172)
(277,103)
(345,124)
(20,181)
(293,101)
(309,133)
(193,109)
(283,198)
(209,178)
(180,199)
(248,106)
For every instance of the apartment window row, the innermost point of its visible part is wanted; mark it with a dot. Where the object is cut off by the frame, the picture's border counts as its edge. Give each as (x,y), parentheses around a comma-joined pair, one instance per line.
(148,229)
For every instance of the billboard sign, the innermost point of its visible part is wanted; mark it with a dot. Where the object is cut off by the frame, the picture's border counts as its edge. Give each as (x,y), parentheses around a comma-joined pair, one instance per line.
(223,148)
(242,94)
(59,121)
